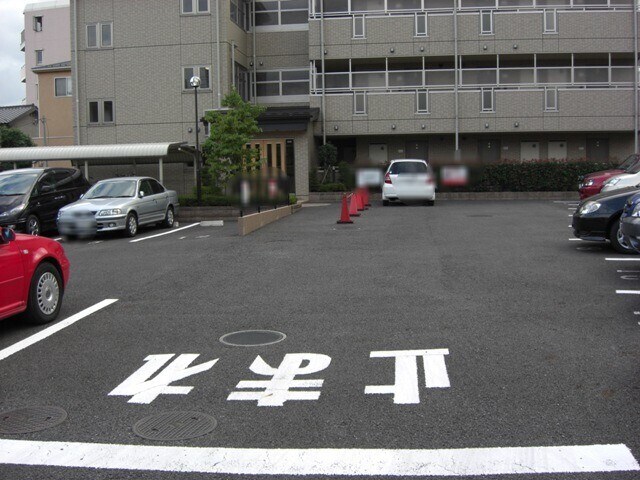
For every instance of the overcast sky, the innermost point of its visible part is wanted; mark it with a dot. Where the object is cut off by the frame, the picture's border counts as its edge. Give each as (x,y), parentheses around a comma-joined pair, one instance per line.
(12,90)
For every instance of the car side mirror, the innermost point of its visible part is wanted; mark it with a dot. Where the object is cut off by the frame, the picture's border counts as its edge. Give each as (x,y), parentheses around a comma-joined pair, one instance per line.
(6,235)
(141,194)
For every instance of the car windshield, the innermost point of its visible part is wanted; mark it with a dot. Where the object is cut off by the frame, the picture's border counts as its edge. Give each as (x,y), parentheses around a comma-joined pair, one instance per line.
(631,164)
(16,183)
(112,189)
(408,167)
(635,168)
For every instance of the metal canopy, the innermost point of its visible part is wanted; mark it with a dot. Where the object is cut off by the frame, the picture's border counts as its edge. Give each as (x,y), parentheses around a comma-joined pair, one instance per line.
(102,154)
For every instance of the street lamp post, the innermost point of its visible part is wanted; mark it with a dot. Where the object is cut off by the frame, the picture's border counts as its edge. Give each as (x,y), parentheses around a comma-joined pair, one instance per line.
(195,83)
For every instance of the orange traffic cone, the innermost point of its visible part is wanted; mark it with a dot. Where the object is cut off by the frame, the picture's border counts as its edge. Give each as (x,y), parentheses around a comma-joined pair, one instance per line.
(359,203)
(353,206)
(344,214)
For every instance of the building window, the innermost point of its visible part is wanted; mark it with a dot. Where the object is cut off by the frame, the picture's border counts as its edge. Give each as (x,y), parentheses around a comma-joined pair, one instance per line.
(551,99)
(239,11)
(105,32)
(282,12)
(359,103)
(204,72)
(486,22)
(358,26)
(421,24)
(192,7)
(63,87)
(241,76)
(39,57)
(487,100)
(550,21)
(422,101)
(101,111)
(278,83)
(37,23)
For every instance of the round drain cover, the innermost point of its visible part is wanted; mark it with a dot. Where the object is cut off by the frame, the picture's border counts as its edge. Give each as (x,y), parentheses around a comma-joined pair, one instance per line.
(31,419)
(175,426)
(252,338)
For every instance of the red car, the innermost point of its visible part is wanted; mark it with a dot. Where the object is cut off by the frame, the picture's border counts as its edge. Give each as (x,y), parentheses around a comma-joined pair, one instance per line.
(33,274)
(591,184)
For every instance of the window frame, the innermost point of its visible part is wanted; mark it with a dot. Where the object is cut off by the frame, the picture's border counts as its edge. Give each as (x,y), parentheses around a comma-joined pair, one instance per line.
(492,107)
(195,68)
(357,93)
(360,18)
(281,82)
(39,53)
(38,23)
(483,13)
(546,28)
(196,8)
(99,26)
(278,13)
(426,93)
(68,87)
(416,32)
(554,107)
(101,110)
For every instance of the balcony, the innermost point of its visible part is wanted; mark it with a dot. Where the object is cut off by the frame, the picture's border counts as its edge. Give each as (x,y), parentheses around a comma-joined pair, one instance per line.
(23,74)
(22,41)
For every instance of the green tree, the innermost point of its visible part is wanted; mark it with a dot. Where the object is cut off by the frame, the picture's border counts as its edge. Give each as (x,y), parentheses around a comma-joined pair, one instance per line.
(12,137)
(225,151)
(327,157)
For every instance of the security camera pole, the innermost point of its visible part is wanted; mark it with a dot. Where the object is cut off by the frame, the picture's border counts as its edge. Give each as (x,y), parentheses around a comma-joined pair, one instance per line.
(195,83)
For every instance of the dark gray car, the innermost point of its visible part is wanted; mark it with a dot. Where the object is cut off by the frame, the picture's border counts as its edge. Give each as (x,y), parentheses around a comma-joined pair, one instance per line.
(119,204)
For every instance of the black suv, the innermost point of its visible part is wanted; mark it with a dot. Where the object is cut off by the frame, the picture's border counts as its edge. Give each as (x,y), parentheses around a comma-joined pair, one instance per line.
(31,197)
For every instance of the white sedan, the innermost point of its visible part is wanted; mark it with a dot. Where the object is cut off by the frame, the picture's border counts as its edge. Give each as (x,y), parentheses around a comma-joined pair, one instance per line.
(409,180)
(629,179)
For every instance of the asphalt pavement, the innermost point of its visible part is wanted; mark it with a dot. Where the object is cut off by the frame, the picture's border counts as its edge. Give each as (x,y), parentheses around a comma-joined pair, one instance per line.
(426,342)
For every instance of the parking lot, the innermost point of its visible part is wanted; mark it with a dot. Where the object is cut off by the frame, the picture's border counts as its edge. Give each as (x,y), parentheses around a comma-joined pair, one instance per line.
(470,339)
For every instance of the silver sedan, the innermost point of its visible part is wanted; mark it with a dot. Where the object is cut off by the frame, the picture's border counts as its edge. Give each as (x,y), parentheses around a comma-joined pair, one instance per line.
(119,204)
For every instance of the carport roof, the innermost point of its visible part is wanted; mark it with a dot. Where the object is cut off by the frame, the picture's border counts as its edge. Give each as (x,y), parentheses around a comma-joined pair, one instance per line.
(150,151)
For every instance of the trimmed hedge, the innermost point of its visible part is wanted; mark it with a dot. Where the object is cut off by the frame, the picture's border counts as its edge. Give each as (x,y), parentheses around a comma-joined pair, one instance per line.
(535,176)
(208,201)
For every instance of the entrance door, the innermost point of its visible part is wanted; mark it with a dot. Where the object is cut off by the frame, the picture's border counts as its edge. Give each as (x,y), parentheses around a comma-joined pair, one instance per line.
(598,149)
(557,150)
(529,151)
(489,151)
(417,150)
(273,154)
(378,153)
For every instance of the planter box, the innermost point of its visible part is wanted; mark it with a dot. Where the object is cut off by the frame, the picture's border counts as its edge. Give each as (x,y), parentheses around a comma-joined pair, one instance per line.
(255,221)
(332,197)
(198,214)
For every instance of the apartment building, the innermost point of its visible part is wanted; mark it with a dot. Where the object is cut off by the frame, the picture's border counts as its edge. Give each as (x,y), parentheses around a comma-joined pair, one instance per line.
(472,81)
(46,44)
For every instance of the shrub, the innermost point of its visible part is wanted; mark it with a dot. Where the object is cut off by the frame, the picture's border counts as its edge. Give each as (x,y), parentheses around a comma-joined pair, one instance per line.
(333,187)
(292,199)
(208,201)
(313,180)
(346,175)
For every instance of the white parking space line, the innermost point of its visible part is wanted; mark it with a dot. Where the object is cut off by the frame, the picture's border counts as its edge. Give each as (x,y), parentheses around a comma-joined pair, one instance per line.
(47,332)
(203,236)
(322,461)
(182,238)
(614,259)
(628,271)
(58,239)
(628,292)
(173,230)
(212,223)
(95,242)
(575,240)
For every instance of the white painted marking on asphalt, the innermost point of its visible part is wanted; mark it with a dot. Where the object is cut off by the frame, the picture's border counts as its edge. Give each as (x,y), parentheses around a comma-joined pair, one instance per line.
(212,223)
(322,461)
(47,332)
(570,215)
(203,236)
(628,271)
(143,389)
(636,313)
(628,292)
(575,239)
(618,259)
(174,230)
(58,239)
(95,242)
(629,277)
(182,238)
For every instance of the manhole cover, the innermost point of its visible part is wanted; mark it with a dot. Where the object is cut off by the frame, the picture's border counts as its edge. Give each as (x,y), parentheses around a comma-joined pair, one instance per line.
(31,419)
(175,426)
(252,338)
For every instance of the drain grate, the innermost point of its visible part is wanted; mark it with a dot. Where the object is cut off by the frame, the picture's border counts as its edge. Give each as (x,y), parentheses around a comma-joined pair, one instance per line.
(175,426)
(31,419)
(252,338)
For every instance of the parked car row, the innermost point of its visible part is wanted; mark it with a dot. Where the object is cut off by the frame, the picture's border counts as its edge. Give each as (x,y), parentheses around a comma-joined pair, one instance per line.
(34,200)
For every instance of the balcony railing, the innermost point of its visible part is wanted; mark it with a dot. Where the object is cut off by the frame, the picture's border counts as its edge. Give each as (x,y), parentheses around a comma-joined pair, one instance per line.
(23,74)
(398,80)
(22,41)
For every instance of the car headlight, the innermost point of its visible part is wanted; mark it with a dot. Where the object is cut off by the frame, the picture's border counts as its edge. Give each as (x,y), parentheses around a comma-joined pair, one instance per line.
(109,212)
(589,207)
(611,182)
(14,211)
(589,182)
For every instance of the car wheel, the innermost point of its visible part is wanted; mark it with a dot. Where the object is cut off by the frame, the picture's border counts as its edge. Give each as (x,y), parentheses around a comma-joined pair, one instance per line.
(617,240)
(131,225)
(385,203)
(33,225)
(45,294)
(168,218)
